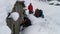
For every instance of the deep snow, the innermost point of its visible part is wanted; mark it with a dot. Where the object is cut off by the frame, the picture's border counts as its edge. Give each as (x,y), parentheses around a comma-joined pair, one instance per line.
(49,25)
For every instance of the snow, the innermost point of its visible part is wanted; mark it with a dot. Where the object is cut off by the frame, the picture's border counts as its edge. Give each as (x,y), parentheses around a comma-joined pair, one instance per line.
(36,20)
(14,16)
(5,30)
(10,5)
(20,0)
(55,2)
(49,25)
(3,25)
(6,7)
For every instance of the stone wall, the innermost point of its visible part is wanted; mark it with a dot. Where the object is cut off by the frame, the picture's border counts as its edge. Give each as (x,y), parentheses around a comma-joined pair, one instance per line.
(15,25)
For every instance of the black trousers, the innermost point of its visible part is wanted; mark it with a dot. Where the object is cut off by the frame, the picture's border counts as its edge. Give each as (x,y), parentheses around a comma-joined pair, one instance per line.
(30,12)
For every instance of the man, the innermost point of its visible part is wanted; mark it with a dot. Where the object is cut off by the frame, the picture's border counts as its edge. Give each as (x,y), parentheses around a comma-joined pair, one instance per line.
(30,8)
(25,23)
(38,13)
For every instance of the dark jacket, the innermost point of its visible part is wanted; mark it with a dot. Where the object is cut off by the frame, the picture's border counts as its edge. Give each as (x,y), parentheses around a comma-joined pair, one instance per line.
(26,22)
(38,13)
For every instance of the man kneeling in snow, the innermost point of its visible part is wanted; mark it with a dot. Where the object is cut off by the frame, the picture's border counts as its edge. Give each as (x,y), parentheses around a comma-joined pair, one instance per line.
(38,13)
(25,23)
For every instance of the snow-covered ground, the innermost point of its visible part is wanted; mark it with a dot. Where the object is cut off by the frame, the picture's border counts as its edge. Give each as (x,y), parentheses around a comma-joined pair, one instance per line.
(6,7)
(40,26)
